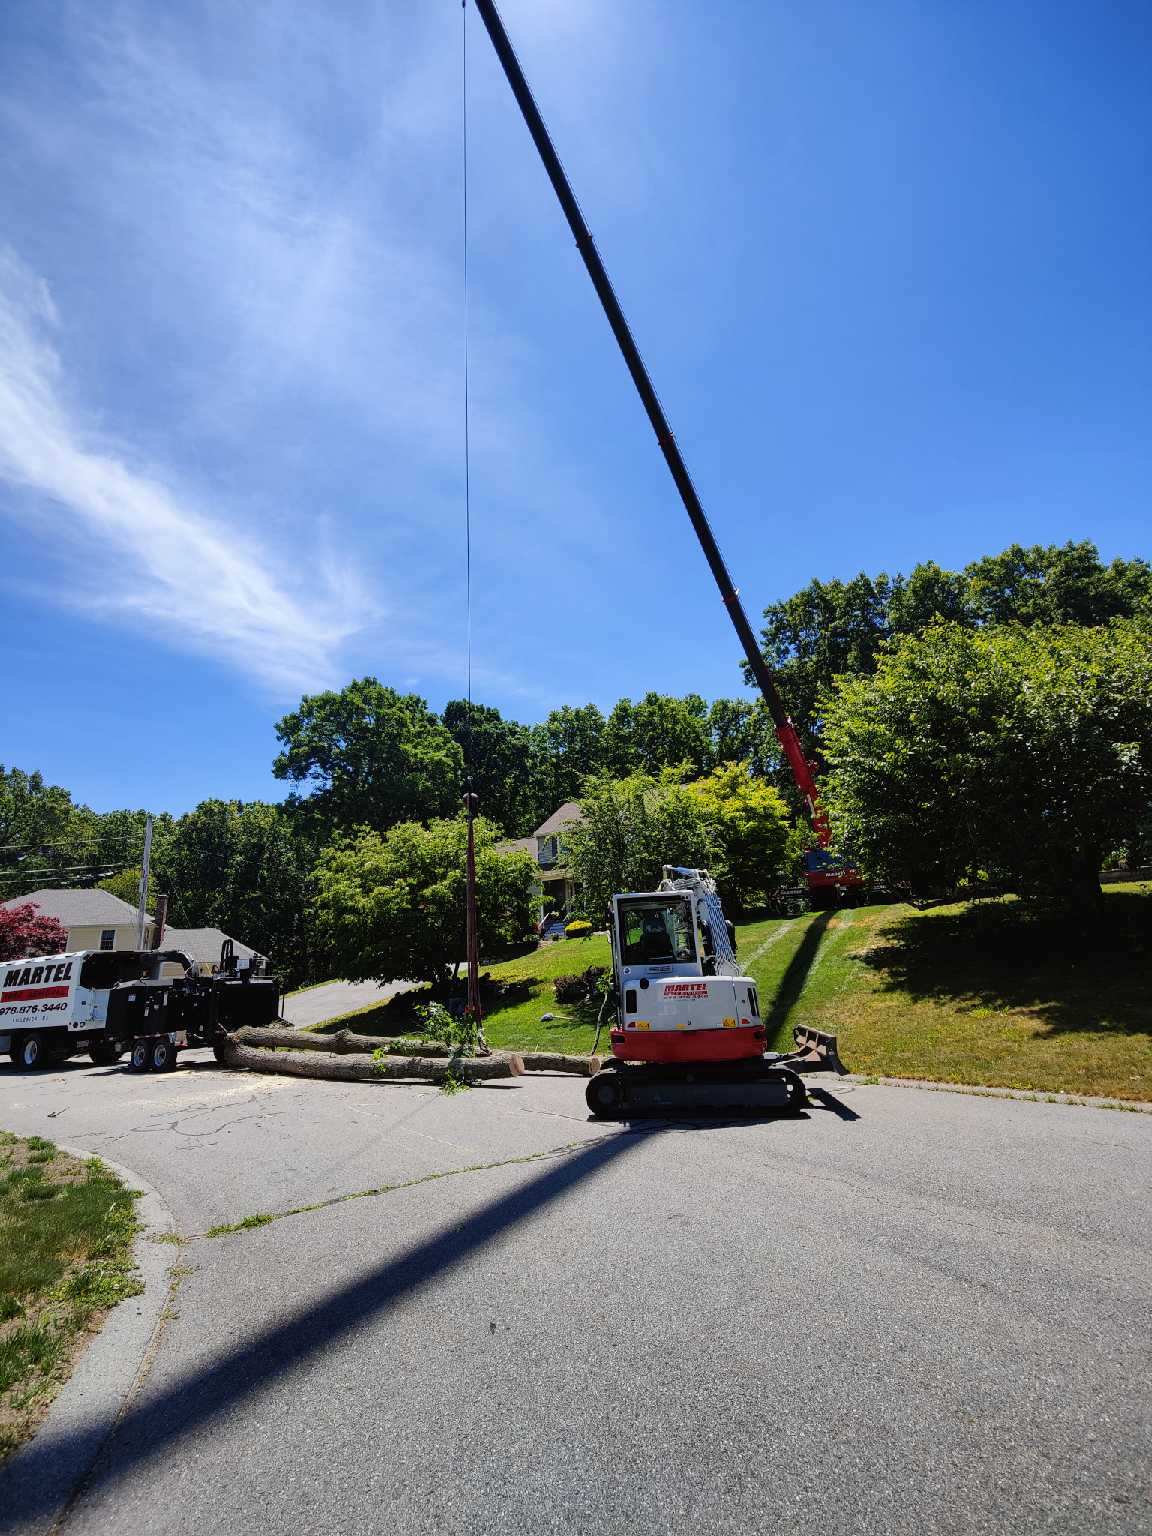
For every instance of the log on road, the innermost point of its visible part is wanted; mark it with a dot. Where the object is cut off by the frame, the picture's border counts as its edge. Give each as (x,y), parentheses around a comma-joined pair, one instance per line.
(230,1052)
(343,1042)
(551,1061)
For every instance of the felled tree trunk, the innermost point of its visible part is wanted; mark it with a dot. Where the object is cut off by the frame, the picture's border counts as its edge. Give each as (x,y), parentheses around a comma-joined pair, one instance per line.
(343,1042)
(231,1052)
(549,1061)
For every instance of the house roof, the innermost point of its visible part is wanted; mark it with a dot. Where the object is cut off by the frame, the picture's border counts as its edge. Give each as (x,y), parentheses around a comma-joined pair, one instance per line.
(567,813)
(202,944)
(518,845)
(80,909)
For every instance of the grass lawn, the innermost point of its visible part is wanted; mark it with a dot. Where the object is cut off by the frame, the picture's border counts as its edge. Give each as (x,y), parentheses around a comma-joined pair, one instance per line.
(66,1232)
(973,993)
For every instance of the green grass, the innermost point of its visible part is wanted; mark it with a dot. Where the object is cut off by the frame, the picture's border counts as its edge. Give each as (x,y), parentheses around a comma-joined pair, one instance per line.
(66,1233)
(980,992)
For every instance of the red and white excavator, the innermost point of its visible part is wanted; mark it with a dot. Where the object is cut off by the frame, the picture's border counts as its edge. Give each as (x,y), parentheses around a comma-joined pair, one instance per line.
(689,1031)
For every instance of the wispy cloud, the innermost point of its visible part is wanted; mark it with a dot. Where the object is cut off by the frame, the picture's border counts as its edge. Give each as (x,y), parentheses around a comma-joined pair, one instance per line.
(262,326)
(139,546)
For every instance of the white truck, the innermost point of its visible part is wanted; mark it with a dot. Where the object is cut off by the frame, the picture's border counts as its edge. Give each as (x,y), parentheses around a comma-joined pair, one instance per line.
(107,1002)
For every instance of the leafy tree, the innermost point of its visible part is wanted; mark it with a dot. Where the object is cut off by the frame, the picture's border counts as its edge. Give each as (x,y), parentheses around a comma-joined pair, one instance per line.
(501,757)
(1025,753)
(928,595)
(741,731)
(751,823)
(657,733)
(1055,584)
(835,628)
(126,885)
(244,868)
(569,748)
(631,828)
(391,906)
(25,930)
(828,628)
(41,831)
(371,756)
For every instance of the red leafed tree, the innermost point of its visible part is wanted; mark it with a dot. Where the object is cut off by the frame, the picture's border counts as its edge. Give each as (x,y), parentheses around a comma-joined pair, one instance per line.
(25,930)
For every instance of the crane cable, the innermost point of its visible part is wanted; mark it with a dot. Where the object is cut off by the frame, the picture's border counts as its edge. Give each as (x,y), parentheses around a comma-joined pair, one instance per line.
(472,925)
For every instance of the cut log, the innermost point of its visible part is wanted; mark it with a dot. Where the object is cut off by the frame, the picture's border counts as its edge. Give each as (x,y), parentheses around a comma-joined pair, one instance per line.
(230,1052)
(549,1061)
(343,1042)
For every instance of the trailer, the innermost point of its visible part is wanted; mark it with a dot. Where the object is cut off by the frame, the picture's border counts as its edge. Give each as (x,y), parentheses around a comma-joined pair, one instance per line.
(148,1004)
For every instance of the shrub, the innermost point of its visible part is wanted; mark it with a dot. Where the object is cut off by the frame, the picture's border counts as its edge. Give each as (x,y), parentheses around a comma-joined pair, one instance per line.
(580,988)
(580,928)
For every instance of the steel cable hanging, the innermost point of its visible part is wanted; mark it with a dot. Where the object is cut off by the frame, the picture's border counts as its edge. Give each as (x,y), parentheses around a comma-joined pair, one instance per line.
(471,925)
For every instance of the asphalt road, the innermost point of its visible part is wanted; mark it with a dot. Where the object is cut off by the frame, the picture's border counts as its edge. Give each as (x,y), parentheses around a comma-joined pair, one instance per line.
(317,1004)
(931,1317)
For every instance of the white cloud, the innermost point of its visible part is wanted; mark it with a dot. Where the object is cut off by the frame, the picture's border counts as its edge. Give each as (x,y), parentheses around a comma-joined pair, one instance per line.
(137,545)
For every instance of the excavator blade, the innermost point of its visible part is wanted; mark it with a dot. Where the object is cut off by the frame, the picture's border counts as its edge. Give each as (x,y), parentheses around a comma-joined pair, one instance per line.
(813,1051)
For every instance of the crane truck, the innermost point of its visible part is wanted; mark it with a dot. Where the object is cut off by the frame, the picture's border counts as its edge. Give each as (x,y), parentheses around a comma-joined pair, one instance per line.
(828,878)
(688,1030)
(109,1002)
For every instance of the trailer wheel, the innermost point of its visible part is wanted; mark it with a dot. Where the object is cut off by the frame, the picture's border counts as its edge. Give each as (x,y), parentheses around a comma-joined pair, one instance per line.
(104,1053)
(163,1055)
(141,1058)
(28,1052)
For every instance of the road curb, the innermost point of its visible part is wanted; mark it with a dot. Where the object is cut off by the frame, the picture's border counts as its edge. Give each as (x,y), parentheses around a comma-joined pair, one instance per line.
(977,1090)
(82,1418)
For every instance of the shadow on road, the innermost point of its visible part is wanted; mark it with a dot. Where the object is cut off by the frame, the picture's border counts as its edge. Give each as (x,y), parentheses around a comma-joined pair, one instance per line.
(151,1430)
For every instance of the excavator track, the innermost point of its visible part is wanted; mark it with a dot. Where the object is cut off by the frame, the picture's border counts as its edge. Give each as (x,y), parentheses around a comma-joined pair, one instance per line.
(623,1089)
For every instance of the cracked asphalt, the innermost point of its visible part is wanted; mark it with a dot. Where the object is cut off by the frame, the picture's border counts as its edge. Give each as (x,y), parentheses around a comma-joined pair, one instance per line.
(909,1312)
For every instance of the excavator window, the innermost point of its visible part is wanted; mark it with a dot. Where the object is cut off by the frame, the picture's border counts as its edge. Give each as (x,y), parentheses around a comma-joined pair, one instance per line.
(656,933)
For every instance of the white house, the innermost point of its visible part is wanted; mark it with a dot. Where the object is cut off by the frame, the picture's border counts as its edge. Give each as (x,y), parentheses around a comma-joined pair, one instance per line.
(94,919)
(555,888)
(98,920)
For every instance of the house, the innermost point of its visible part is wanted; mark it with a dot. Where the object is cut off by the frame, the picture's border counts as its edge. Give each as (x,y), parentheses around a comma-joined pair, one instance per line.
(556,891)
(203,945)
(96,919)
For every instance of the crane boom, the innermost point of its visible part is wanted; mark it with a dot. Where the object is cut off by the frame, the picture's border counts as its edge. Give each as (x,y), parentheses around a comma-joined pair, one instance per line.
(785,730)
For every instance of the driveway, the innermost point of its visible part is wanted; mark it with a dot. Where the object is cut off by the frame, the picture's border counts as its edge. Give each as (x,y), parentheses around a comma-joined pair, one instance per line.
(317,1004)
(914,1312)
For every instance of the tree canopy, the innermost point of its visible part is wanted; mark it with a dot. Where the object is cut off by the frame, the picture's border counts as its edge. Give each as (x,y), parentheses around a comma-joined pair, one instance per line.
(833,628)
(632,827)
(751,824)
(1020,753)
(391,905)
(371,757)
(25,930)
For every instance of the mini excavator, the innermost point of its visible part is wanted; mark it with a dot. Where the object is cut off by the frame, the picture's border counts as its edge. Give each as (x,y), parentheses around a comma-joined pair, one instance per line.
(689,1032)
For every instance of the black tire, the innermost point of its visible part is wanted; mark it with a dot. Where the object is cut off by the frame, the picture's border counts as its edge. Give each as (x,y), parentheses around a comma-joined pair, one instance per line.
(141,1057)
(604,1095)
(163,1055)
(30,1052)
(104,1053)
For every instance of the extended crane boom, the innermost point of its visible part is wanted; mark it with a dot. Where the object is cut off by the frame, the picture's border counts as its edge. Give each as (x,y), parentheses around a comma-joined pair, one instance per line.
(786,732)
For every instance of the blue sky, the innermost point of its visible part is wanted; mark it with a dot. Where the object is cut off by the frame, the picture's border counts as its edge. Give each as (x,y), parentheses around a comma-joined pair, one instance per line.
(889,265)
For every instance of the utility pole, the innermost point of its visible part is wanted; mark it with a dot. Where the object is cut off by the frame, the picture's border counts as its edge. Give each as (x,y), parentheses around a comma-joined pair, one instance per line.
(142,915)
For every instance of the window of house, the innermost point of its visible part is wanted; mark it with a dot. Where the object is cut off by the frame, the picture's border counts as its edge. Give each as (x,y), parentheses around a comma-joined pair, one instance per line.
(108,938)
